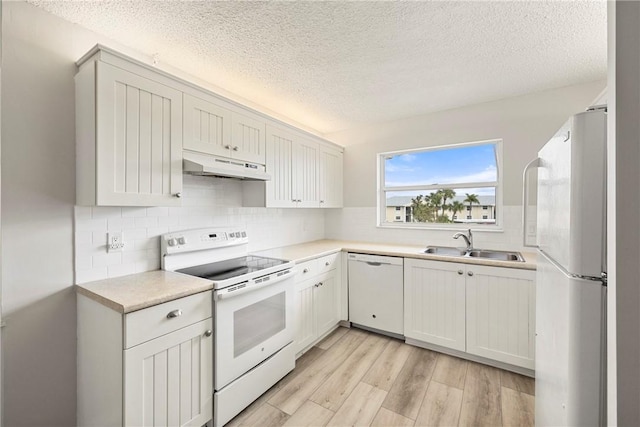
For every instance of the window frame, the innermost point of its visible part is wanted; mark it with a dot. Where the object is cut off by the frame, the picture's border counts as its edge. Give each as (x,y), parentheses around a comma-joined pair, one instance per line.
(498,184)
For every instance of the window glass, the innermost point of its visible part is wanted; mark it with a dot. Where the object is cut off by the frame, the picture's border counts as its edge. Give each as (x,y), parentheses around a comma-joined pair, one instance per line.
(436,185)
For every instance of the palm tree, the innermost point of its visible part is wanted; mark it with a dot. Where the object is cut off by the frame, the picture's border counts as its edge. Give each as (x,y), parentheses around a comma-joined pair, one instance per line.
(447,194)
(471,199)
(436,200)
(455,207)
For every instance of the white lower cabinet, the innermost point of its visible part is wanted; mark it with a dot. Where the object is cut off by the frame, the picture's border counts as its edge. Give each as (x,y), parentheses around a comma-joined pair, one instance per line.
(434,302)
(481,310)
(501,314)
(152,367)
(169,380)
(317,300)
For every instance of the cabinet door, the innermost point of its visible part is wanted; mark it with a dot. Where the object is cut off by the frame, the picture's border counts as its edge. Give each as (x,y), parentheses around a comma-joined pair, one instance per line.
(305,174)
(207,127)
(501,314)
(434,302)
(279,164)
(330,178)
(248,139)
(305,330)
(326,303)
(169,380)
(139,140)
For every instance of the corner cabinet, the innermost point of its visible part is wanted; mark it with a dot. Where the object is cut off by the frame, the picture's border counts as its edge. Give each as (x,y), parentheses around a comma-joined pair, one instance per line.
(129,138)
(318,300)
(146,367)
(480,310)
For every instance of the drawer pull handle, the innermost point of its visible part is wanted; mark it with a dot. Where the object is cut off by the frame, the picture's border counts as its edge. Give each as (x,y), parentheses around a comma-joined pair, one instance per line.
(174,313)
(208,333)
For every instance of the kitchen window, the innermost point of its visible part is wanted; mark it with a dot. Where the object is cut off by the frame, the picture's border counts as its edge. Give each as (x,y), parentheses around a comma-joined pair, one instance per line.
(445,186)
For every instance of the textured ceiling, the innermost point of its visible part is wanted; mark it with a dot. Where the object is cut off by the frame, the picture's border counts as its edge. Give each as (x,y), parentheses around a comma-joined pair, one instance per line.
(337,65)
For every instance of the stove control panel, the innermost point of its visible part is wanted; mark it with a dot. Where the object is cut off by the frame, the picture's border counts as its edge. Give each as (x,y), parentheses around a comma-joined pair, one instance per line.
(203,238)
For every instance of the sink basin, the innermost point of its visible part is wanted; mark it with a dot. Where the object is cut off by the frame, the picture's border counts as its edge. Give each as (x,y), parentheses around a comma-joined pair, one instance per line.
(444,250)
(497,255)
(475,253)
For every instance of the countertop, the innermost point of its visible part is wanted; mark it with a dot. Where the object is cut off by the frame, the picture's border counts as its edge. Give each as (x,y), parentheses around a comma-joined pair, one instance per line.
(137,291)
(309,250)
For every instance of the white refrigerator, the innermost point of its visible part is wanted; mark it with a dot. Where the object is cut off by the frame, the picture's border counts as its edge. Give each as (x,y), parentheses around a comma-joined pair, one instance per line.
(570,357)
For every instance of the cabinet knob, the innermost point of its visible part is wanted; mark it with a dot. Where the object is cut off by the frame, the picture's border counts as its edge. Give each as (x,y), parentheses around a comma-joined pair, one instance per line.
(306,270)
(178,195)
(228,147)
(373,315)
(235,148)
(316,285)
(174,313)
(327,263)
(460,272)
(208,333)
(321,201)
(470,273)
(320,284)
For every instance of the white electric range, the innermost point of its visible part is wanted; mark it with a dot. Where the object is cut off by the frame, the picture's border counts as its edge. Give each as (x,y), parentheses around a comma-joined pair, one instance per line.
(253,306)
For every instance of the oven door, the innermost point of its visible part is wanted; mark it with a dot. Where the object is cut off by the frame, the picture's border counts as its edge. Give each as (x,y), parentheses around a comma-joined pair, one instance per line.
(250,327)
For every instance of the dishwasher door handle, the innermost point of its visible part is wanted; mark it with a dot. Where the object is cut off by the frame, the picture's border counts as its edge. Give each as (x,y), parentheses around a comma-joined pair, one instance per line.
(376,264)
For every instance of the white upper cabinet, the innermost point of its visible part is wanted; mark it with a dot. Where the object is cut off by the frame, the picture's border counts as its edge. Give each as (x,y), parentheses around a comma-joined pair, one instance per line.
(129,139)
(207,127)
(213,129)
(330,178)
(305,183)
(248,137)
(304,173)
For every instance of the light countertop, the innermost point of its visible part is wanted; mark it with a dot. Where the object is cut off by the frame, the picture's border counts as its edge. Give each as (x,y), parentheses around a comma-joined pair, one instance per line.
(137,291)
(309,250)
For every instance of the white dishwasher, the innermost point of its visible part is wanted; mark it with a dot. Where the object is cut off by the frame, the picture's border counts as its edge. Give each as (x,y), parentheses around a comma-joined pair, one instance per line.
(376,292)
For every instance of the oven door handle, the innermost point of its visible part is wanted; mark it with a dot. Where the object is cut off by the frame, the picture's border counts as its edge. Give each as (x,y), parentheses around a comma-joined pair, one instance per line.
(252,285)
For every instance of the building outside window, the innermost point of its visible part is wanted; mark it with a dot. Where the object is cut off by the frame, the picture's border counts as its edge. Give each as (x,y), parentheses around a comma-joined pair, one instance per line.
(433,185)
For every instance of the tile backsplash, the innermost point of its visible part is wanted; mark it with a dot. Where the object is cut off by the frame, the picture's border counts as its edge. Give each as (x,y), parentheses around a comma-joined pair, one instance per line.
(217,202)
(359,224)
(206,202)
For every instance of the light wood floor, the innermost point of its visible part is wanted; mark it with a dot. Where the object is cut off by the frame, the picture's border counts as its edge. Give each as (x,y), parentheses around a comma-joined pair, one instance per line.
(354,377)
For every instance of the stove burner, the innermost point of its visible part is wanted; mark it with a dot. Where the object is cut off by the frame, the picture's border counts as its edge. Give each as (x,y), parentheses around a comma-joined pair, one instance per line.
(230,268)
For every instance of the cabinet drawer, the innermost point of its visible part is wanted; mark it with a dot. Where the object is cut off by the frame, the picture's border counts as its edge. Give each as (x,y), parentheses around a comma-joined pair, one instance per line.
(152,322)
(307,269)
(328,262)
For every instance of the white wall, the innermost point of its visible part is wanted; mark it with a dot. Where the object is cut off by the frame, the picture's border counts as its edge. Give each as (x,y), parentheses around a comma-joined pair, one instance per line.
(524,123)
(624,219)
(206,202)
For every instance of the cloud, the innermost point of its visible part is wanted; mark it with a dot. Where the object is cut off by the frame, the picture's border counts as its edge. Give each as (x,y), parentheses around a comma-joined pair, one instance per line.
(487,175)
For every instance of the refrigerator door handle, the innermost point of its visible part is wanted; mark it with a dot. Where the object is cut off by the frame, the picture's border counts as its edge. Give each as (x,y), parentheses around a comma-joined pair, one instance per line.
(525,200)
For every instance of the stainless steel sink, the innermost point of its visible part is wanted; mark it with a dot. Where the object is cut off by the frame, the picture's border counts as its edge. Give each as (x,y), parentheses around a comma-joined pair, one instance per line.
(445,250)
(474,253)
(497,255)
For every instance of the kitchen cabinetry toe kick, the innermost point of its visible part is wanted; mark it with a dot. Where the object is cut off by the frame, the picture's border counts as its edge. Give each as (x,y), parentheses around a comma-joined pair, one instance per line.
(472,357)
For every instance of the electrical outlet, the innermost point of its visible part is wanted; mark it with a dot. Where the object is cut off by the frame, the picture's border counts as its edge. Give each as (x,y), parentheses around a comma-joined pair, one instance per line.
(115,242)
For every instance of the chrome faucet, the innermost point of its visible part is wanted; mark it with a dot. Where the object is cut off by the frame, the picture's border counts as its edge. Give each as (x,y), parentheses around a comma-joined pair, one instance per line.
(467,238)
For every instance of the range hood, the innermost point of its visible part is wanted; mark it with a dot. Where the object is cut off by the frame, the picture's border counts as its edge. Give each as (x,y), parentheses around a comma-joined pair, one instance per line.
(208,165)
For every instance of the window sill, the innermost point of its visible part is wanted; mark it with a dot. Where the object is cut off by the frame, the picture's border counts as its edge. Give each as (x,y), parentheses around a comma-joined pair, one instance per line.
(406,226)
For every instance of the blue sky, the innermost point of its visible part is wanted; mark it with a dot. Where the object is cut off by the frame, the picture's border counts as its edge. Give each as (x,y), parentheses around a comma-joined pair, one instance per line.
(474,163)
